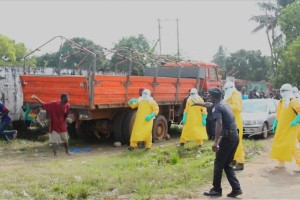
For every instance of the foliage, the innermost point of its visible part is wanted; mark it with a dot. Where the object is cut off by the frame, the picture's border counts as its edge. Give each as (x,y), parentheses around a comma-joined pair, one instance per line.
(70,56)
(7,50)
(20,51)
(248,65)
(290,65)
(284,3)
(11,53)
(130,48)
(290,21)
(220,57)
(269,22)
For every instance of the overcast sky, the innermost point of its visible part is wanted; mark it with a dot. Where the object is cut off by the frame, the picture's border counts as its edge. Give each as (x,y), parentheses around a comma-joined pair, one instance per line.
(204,25)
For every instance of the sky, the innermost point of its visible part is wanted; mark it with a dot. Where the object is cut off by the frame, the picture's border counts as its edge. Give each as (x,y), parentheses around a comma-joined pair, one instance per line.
(203,25)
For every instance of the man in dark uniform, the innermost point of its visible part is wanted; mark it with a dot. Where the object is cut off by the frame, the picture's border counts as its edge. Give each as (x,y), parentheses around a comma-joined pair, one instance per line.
(225,145)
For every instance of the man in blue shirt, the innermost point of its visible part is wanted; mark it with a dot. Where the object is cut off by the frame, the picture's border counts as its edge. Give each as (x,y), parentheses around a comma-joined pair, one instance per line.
(225,145)
(5,121)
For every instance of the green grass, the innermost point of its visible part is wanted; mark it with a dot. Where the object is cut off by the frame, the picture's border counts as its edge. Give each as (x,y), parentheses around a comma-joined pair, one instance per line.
(29,171)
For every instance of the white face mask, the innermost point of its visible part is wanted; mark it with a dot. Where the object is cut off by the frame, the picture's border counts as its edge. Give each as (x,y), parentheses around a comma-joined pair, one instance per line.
(283,94)
(145,95)
(192,94)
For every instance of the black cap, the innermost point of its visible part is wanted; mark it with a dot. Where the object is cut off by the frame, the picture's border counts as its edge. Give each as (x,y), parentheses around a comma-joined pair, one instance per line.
(215,91)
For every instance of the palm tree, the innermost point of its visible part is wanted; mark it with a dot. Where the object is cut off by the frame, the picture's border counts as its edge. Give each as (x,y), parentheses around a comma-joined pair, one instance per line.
(269,21)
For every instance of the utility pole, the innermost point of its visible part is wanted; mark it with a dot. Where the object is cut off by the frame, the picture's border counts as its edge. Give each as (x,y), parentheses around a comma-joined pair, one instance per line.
(178,53)
(177,30)
(159,36)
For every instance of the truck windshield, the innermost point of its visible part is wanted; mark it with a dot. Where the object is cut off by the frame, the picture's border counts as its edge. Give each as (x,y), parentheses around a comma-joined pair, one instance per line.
(213,74)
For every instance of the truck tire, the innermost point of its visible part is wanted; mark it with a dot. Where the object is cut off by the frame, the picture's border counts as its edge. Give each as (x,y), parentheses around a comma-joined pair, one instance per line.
(127,126)
(160,128)
(72,131)
(118,125)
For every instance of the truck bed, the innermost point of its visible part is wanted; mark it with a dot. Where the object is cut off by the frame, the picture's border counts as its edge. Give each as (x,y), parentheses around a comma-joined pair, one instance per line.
(108,92)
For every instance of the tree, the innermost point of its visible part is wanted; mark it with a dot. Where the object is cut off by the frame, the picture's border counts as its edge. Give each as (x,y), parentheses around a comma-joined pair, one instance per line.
(47,60)
(269,22)
(20,51)
(11,53)
(289,21)
(284,3)
(7,50)
(220,57)
(130,48)
(248,65)
(70,56)
(77,57)
(290,65)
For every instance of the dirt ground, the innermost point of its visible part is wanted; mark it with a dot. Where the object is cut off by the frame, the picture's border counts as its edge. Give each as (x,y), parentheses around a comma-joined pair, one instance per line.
(261,180)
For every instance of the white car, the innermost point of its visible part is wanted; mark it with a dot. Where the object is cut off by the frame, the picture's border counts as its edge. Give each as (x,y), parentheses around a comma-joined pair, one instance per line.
(258,116)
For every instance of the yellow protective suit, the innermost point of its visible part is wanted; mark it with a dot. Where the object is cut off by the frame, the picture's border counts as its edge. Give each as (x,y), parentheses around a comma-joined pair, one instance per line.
(193,128)
(284,146)
(142,129)
(235,103)
(298,137)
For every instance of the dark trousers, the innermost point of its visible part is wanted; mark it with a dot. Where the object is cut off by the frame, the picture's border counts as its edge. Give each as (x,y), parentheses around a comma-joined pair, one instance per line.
(3,133)
(210,128)
(224,157)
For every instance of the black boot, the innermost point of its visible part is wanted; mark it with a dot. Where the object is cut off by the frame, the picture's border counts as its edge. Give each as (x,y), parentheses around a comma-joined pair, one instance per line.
(213,193)
(130,148)
(181,145)
(235,193)
(233,163)
(238,167)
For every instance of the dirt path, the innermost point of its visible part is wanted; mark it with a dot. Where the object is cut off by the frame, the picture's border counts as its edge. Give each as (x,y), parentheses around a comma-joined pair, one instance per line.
(260,180)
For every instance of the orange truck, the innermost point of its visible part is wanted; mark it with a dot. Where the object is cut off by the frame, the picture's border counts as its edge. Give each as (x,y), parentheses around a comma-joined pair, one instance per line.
(99,102)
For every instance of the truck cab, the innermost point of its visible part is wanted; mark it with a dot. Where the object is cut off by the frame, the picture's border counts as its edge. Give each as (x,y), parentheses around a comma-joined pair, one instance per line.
(207,72)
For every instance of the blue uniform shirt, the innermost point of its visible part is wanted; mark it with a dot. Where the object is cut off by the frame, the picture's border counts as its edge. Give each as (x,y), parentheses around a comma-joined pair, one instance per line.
(222,111)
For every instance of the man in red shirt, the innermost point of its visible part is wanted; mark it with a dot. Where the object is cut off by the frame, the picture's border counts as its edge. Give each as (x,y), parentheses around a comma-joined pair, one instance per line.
(58,112)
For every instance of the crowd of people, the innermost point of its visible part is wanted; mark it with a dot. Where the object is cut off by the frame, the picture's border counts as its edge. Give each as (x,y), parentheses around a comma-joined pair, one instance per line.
(255,94)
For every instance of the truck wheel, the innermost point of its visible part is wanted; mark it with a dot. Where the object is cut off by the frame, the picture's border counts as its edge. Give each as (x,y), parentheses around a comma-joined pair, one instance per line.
(84,131)
(160,128)
(117,126)
(128,124)
(72,131)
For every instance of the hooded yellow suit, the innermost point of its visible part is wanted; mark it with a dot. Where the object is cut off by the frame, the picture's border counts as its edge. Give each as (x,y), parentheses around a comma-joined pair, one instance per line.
(193,129)
(285,139)
(298,137)
(142,129)
(235,103)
